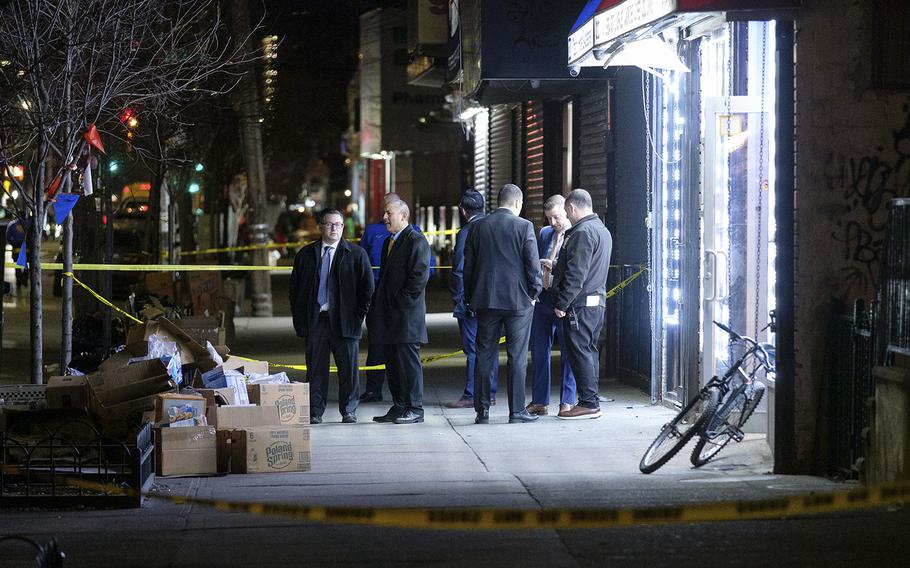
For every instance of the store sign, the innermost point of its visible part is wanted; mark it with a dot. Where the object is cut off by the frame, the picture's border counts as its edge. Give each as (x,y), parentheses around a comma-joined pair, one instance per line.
(631,14)
(581,41)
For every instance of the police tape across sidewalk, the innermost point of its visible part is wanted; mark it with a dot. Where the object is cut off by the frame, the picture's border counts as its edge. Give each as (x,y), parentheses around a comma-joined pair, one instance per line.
(491,518)
(429,359)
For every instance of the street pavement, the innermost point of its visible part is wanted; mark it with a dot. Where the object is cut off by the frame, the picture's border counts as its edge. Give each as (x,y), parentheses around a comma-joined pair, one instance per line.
(450,462)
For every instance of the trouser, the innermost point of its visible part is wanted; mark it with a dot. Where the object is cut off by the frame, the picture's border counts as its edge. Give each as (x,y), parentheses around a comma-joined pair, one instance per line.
(543,325)
(468,329)
(375,356)
(405,376)
(581,345)
(320,343)
(517,325)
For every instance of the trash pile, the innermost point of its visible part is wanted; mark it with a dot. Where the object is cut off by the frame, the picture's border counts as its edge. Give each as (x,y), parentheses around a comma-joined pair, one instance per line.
(212,413)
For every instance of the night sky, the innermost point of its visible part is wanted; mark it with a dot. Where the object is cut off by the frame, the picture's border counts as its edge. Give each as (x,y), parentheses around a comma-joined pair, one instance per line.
(317,58)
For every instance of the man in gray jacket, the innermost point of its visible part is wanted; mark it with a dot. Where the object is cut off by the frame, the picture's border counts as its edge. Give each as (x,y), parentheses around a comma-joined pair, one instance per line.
(581,285)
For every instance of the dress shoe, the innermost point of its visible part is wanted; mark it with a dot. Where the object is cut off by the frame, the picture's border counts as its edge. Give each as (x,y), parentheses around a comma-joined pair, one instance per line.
(409,417)
(349,418)
(537,409)
(564,407)
(493,401)
(388,417)
(315,419)
(370,397)
(483,417)
(522,416)
(461,403)
(579,413)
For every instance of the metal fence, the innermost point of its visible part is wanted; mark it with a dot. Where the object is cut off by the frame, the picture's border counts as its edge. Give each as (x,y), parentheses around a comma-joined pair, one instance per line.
(868,338)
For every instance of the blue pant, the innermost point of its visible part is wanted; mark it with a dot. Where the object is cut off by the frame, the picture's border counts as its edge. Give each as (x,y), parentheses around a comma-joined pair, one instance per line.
(543,325)
(468,329)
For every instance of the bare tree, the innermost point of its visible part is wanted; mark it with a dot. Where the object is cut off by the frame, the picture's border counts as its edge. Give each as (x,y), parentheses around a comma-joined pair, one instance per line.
(68,64)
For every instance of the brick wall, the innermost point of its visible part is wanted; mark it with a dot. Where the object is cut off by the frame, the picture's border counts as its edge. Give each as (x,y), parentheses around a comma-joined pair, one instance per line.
(852,156)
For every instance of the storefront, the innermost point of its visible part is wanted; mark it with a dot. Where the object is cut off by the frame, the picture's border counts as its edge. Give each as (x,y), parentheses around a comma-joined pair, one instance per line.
(708,86)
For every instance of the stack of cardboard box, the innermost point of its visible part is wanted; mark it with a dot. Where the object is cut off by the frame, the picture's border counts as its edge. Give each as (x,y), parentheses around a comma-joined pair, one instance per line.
(208,419)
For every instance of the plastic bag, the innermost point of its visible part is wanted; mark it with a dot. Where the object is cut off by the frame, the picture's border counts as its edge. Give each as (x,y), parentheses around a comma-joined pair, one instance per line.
(263,379)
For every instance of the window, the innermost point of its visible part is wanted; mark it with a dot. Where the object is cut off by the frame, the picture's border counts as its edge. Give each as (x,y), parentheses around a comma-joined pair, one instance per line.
(891,44)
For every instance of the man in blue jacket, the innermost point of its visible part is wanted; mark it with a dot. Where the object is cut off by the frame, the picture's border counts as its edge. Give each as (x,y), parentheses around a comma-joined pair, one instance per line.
(471,210)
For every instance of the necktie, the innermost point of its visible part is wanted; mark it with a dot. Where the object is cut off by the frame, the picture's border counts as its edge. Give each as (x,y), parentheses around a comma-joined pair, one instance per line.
(388,248)
(322,296)
(553,250)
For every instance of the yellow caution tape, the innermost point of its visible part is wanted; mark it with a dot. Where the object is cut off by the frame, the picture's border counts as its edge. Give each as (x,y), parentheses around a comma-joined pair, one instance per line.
(423,360)
(616,289)
(555,518)
(157,267)
(99,297)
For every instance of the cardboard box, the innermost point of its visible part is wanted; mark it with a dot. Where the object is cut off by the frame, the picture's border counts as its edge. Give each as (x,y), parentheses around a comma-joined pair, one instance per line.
(292,401)
(161,284)
(248,416)
(190,351)
(186,451)
(204,288)
(128,392)
(219,397)
(266,450)
(66,392)
(202,329)
(171,408)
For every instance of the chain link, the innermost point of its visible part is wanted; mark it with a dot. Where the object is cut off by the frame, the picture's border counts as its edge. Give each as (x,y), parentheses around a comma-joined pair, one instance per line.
(645,92)
(761,179)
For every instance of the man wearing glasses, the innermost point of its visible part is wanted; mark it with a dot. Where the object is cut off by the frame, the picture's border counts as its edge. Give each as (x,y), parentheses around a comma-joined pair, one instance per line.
(330,292)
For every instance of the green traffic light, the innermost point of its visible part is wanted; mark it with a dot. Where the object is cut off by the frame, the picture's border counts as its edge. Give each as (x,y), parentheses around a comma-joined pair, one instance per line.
(199,167)
(113,167)
(194,187)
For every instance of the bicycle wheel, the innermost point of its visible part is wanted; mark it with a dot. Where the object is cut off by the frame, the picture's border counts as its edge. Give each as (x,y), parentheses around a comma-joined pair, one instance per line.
(676,433)
(706,448)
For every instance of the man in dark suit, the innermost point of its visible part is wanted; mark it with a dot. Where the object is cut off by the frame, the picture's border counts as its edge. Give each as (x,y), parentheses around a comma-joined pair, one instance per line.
(502,281)
(374,236)
(545,323)
(581,286)
(331,288)
(471,210)
(397,319)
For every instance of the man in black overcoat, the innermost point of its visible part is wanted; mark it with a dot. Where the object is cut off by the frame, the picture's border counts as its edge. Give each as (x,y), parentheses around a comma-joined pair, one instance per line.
(502,280)
(397,318)
(330,293)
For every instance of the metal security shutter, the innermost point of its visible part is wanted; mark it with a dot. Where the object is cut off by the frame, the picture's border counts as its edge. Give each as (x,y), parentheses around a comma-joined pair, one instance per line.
(533,162)
(482,152)
(594,124)
(500,151)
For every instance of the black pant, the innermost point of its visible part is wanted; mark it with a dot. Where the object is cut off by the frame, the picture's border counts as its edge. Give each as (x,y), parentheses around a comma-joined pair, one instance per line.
(375,356)
(517,325)
(405,372)
(581,347)
(320,342)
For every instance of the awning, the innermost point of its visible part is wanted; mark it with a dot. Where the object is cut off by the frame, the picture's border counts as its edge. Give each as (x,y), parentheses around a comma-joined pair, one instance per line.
(604,26)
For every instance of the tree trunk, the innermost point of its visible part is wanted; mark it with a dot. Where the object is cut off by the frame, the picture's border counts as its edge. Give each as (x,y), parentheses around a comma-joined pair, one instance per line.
(246,103)
(34,269)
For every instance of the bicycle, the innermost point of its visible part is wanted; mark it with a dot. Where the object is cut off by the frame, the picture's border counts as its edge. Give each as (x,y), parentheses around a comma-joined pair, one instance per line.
(717,413)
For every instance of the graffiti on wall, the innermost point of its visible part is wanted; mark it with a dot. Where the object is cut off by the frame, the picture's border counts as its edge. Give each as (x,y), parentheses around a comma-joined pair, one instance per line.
(866,184)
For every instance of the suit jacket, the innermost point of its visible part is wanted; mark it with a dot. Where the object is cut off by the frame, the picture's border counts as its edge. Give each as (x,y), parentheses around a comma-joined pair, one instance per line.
(501,263)
(460,309)
(399,312)
(350,289)
(544,241)
(372,241)
(583,263)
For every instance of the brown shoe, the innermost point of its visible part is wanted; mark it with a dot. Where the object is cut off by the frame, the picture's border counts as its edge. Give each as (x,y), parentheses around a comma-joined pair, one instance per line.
(563,407)
(537,409)
(579,413)
(461,403)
